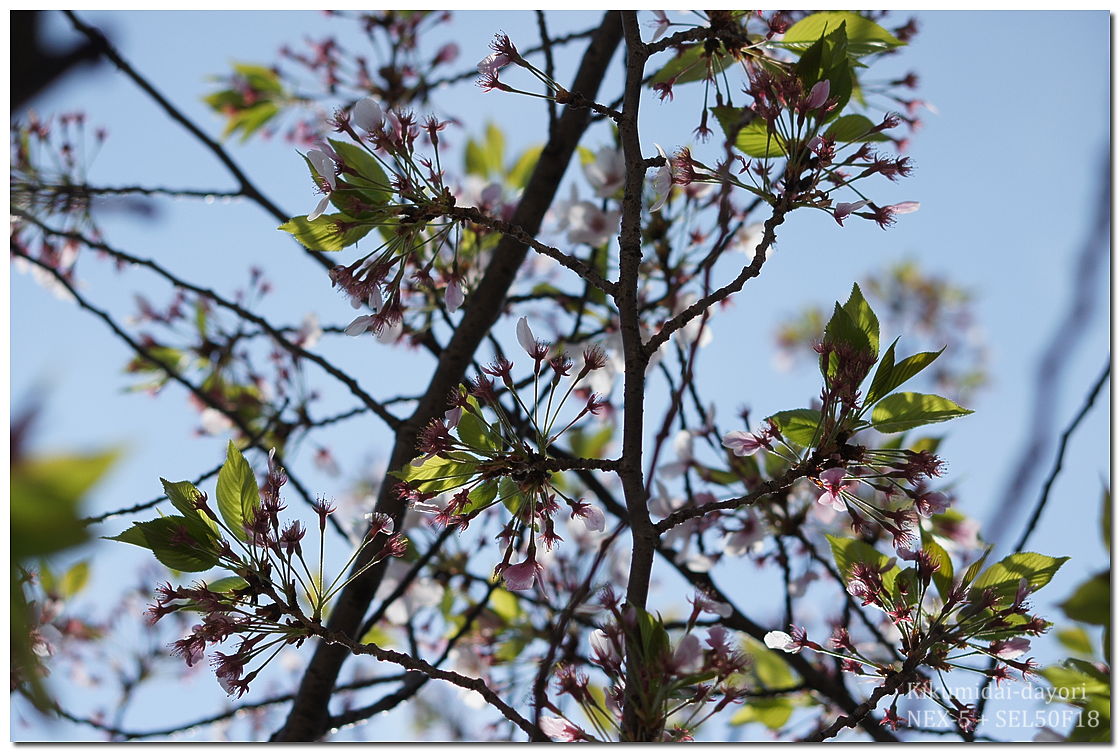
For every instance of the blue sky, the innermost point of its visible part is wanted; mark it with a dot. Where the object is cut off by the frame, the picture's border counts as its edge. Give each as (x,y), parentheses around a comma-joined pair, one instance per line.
(1008,172)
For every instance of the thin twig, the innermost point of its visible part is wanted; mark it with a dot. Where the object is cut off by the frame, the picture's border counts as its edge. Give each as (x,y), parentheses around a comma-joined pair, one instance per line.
(377,408)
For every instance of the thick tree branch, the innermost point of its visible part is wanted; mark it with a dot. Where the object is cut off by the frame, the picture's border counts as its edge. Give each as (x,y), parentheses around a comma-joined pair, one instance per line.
(308,717)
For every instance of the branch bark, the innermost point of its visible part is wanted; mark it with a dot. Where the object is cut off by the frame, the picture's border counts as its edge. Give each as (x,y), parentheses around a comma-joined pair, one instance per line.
(308,718)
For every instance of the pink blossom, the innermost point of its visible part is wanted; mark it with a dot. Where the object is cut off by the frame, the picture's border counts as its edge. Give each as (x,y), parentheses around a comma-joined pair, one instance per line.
(841,211)
(560,730)
(592,517)
(367,115)
(742,443)
(453,296)
(834,486)
(777,640)
(606,172)
(931,503)
(521,576)
(660,26)
(359,325)
(661,182)
(492,63)
(906,207)
(688,657)
(818,95)
(1009,649)
(710,606)
(325,167)
(525,337)
(603,648)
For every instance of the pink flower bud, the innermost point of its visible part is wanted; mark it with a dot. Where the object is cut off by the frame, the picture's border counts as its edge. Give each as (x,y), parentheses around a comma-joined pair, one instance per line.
(818,95)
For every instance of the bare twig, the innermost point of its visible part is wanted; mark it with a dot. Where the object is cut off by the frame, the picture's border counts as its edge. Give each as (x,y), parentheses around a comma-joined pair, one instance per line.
(375,406)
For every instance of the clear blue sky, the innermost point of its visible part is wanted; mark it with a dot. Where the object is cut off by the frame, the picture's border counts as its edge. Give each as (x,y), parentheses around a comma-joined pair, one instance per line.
(1008,173)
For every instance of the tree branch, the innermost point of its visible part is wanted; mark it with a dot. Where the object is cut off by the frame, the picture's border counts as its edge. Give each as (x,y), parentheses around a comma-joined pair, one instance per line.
(308,717)
(375,406)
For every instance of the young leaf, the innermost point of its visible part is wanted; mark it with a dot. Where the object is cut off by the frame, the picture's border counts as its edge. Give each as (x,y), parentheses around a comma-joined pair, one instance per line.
(799,426)
(848,551)
(182,496)
(755,140)
(865,37)
(854,129)
(475,433)
(329,232)
(842,328)
(864,318)
(943,575)
(1004,575)
(907,410)
(975,567)
(238,494)
(768,668)
(518,175)
(439,473)
(366,165)
(1090,602)
(173,542)
(771,712)
(886,381)
(226,584)
(480,497)
(692,65)
(74,580)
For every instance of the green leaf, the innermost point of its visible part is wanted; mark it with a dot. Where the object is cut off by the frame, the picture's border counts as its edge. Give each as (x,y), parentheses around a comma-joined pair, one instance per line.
(439,473)
(1076,640)
(182,496)
(842,328)
(161,536)
(854,129)
(1095,723)
(259,77)
(226,584)
(692,65)
(890,377)
(1090,603)
(1004,575)
(505,605)
(518,175)
(926,444)
(975,567)
(943,576)
(594,445)
(864,318)
(772,712)
(510,495)
(767,666)
(480,497)
(238,494)
(755,140)
(44,500)
(907,410)
(475,433)
(74,580)
(849,551)
(653,637)
(329,232)
(370,175)
(865,37)
(827,59)
(1077,683)
(799,426)
(486,158)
